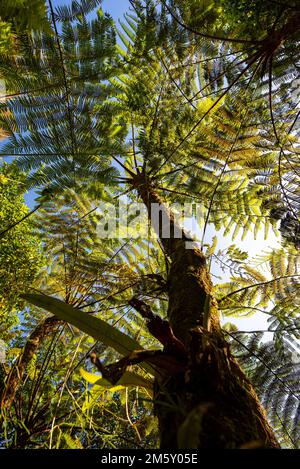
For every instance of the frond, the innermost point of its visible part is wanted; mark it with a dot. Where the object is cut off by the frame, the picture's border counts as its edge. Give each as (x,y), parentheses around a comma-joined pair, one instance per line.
(275,375)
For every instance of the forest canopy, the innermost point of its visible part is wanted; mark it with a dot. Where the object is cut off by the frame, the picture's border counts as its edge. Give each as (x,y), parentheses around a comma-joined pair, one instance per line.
(148,150)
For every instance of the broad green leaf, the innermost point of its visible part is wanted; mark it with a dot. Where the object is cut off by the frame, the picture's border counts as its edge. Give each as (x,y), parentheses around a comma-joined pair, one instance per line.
(95,327)
(89,377)
(128,379)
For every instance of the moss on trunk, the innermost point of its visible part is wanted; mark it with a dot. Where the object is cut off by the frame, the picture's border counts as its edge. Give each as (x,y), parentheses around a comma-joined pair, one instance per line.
(212,399)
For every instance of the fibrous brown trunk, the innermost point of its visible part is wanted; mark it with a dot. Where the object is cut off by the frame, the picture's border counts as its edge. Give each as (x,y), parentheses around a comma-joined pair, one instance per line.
(211,404)
(33,342)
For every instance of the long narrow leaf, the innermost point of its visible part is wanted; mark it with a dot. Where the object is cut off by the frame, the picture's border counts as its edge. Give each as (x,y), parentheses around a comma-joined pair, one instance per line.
(95,327)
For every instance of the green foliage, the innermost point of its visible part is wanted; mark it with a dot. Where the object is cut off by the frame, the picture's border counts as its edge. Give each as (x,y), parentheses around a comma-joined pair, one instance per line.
(127,379)
(276,378)
(92,326)
(91,274)
(20,253)
(253,19)
(255,288)
(269,285)
(259,52)
(200,97)
(64,138)
(18,17)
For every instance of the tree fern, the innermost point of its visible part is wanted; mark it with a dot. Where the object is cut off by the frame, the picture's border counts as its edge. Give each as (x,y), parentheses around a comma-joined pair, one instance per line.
(276,378)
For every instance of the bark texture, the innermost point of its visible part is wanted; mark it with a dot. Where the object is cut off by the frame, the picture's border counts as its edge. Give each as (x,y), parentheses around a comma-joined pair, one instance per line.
(211,404)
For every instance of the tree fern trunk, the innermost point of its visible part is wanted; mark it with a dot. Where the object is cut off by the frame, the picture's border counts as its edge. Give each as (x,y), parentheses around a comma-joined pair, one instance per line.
(15,377)
(212,404)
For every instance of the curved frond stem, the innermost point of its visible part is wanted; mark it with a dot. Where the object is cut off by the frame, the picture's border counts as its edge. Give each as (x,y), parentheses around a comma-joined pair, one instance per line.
(211,201)
(222,74)
(286,431)
(105,298)
(207,36)
(153,123)
(258,285)
(188,100)
(196,125)
(13,225)
(252,308)
(208,59)
(227,160)
(225,265)
(286,386)
(70,118)
(123,193)
(68,287)
(131,423)
(294,121)
(270,100)
(292,166)
(123,166)
(284,191)
(173,191)
(266,330)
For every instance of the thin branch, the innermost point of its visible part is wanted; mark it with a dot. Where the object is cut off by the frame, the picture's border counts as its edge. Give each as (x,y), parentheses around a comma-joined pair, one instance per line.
(123,166)
(217,78)
(211,201)
(70,118)
(266,330)
(287,387)
(189,101)
(207,36)
(154,120)
(173,191)
(191,131)
(226,161)
(13,225)
(253,308)
(133,425)
(110,296)
(258,285)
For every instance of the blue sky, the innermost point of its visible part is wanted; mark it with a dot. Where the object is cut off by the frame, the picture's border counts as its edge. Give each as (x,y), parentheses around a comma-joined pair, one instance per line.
(115,7)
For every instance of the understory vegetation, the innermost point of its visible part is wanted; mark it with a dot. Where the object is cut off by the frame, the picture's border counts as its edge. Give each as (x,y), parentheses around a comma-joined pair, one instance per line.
(116,336)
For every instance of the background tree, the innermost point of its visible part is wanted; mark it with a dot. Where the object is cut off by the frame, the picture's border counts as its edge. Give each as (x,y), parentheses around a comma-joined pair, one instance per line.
(185,117)
(21,17)
(20,255)
(43,402)
(262,47)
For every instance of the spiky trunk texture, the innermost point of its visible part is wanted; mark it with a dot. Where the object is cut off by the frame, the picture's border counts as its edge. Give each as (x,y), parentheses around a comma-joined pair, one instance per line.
(16,375)
(212,404)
